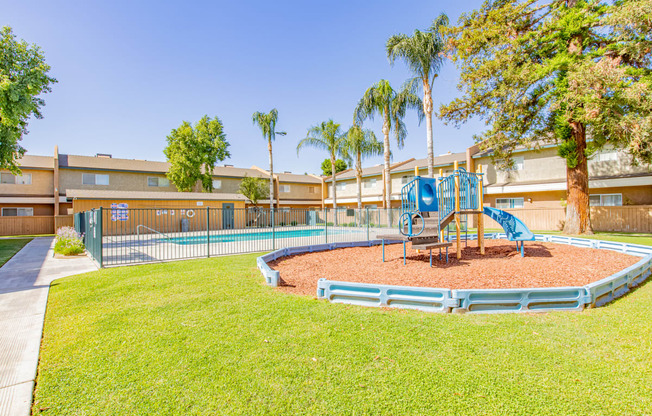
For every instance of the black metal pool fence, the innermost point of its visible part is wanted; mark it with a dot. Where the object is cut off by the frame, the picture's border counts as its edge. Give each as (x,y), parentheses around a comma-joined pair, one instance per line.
(121,236)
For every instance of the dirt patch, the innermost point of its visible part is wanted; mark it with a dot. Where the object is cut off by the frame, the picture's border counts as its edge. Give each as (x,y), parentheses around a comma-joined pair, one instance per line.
(502,267)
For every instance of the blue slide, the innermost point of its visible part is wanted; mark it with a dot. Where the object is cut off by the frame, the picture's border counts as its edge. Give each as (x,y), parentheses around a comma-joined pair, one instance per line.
(515,229)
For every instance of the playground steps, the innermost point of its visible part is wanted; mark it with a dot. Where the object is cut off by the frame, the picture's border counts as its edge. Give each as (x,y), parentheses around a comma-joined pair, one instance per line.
(430,246)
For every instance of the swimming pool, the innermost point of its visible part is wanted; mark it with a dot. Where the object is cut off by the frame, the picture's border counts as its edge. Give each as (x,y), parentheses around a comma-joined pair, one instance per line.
(252,236)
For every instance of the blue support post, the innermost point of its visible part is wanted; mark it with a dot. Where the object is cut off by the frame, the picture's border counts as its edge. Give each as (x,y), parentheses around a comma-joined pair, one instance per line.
(404,253)
(383,243)
(430,257)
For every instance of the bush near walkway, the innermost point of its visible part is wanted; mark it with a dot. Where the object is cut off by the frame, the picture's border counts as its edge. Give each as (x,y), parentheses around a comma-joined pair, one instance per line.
(208,337)
(68,242)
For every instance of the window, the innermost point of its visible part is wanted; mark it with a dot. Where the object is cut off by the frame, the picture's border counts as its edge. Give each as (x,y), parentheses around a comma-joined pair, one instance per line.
(94,179)
(369,183)
(217,184)
(312,190)
(11,179)
(519,163)
(406,178)
(606,200)
(371,206)
(17,212)
(156,181)
(284,188)
(341,186)
(606,156)
(506,203)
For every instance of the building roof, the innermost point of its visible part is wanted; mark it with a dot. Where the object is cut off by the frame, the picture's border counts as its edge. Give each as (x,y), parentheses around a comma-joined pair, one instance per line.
(102,194)
(291,177)
(36,162)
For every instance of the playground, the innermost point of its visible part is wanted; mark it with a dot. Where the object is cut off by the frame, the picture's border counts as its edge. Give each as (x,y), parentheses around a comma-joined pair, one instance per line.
(498,272)
(501,267)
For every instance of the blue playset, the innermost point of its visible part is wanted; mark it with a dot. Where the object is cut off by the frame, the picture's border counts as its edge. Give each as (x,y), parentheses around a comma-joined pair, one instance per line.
(429,205)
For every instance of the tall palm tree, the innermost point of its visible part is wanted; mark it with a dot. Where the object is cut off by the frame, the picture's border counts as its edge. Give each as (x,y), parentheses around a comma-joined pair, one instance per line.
(391,105)
(327,136)
(424,54)
(267,125)
(360,143)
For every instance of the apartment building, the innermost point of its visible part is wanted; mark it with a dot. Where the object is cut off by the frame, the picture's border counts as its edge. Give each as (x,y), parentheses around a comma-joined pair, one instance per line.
(537,179)
(63,184)
(373,183)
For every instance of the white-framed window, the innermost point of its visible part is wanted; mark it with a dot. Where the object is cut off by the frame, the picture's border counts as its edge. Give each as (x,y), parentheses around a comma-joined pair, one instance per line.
(371,206)
(519,163)
(217,184)
(157,181)
(406,178)
(341,186)
(95,179)
(17,212)
(606,156)
(369,183)
(606,200)
(11,179)
(507,203)
(285,210)
(284,188)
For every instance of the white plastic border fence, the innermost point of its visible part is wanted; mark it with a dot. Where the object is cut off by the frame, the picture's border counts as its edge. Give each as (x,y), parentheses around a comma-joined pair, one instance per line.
(478,300)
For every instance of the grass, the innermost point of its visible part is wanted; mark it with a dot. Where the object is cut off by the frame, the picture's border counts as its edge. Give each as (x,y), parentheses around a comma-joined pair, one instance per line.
(9,247)
(207,337)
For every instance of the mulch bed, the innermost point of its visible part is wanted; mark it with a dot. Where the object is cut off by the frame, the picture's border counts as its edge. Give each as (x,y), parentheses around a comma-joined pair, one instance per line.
(544,265)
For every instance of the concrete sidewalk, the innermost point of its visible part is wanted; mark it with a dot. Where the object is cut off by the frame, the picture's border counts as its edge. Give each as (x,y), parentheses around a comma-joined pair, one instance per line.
(24,286)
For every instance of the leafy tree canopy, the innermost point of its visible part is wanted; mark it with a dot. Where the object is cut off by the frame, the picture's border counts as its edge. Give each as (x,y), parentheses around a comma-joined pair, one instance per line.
(326,169)
(254,189)
(23,77)
(193,152)
(537,71)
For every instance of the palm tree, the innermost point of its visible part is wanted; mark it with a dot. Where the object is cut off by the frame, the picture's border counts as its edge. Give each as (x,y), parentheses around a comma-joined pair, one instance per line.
(327,136)
(267,125)
(424,55)
(382,99)
(360,143)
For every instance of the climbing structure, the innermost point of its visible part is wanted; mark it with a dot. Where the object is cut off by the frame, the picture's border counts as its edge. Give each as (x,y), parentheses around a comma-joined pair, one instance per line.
(428,205)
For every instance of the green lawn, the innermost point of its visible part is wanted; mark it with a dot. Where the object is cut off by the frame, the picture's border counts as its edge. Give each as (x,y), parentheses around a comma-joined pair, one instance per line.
(10,246)
(206,337)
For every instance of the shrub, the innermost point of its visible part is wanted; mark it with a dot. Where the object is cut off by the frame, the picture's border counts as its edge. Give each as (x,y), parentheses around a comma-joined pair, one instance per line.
(68,242)
(294,223)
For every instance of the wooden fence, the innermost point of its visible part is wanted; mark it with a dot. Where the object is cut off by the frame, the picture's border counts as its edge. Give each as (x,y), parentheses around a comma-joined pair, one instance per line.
(35,225)
(632,219)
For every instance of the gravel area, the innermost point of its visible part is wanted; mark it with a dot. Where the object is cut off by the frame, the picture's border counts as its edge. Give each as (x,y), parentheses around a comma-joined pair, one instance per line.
(544,265)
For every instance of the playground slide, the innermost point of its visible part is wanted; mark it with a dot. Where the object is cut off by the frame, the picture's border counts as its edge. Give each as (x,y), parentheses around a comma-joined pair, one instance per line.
(515,229)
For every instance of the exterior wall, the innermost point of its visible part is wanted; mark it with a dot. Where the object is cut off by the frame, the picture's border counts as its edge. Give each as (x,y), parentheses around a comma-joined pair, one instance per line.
(39,209)
(537,166)
(301,191)
(42,184)
(80,205)
(123,181)
(546,165)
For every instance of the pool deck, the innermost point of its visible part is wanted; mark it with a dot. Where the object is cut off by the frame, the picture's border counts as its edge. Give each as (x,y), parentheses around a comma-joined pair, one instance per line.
(24,288)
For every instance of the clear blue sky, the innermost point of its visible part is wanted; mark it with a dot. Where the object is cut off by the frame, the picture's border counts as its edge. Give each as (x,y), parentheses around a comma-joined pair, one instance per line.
(130,71)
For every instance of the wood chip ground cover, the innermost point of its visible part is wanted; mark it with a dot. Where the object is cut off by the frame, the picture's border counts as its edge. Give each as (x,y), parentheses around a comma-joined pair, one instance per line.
(502,267)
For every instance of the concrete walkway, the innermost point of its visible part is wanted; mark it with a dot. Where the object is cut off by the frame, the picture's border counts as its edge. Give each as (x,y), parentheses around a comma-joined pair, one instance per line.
(24,286)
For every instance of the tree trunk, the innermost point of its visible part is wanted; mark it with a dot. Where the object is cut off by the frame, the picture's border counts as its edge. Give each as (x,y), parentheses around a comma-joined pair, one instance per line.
(388,179)
(577,185)
(427,108)
(334,182)
(358,178)
(388,182)
(271,175)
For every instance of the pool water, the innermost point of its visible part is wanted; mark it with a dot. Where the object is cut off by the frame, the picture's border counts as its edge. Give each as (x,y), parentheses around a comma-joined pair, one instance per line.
(252,236)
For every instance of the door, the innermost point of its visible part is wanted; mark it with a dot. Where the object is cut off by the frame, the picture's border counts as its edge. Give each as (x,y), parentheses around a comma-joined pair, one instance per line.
(227,216)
